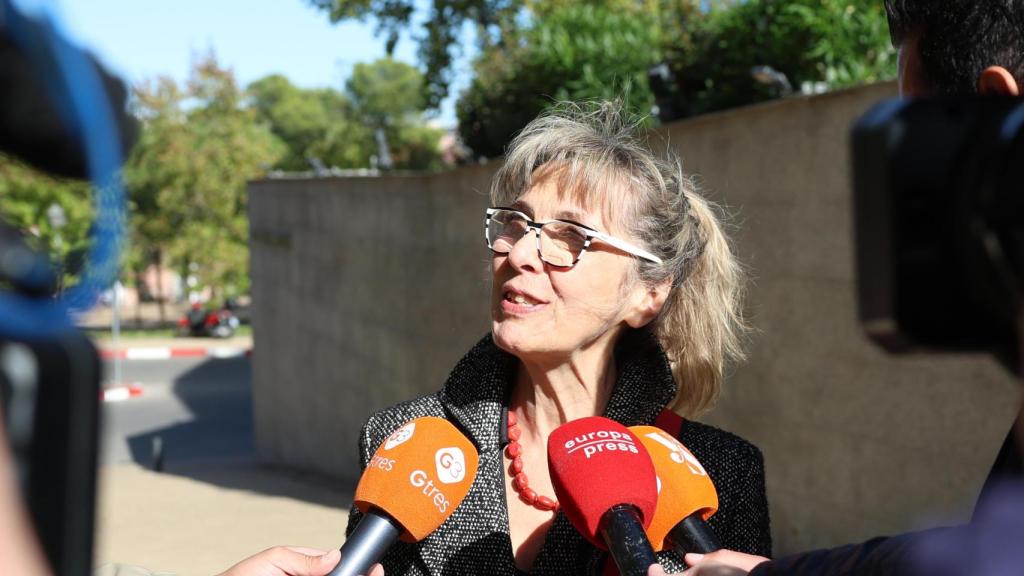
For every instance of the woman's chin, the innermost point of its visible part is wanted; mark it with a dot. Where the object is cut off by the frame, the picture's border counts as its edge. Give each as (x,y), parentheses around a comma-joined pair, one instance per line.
(512,339)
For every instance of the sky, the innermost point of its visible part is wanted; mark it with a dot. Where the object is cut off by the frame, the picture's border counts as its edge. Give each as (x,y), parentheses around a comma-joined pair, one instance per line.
(142,39)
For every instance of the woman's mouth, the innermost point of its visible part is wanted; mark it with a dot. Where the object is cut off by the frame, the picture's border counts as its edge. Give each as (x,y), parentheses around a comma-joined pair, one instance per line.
(515,303)
(520,299)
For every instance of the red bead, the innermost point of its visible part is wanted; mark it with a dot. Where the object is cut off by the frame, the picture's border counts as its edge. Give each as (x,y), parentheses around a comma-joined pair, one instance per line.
(528,496)
(520,483)
(514,450)
(545,503)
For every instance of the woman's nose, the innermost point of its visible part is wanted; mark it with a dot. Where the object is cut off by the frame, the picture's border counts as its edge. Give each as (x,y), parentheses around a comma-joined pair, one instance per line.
(524,255)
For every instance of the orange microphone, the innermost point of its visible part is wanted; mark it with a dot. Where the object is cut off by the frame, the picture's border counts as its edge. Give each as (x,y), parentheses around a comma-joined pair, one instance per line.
(686,495)
(412,484)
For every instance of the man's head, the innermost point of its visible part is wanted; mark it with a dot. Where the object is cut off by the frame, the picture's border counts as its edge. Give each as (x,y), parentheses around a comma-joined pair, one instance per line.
(958,46)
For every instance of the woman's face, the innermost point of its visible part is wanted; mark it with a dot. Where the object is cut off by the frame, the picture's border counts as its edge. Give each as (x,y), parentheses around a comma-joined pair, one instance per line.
(543,312)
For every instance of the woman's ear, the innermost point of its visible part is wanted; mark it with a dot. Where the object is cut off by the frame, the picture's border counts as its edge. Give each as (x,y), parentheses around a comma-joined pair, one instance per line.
(649,304)
(997,81)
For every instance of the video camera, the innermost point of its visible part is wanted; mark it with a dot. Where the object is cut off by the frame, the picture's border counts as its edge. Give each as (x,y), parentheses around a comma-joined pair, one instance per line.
(939,230)
(62,113)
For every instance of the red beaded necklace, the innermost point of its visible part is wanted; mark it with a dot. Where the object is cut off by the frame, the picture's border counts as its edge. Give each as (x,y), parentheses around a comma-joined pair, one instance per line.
(520,482)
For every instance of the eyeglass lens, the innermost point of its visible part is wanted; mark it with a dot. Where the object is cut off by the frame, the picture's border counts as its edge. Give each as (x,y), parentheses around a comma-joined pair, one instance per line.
(561,243)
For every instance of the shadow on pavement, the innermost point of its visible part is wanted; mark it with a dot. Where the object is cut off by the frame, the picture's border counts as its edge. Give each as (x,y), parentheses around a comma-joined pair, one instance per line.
(216,444)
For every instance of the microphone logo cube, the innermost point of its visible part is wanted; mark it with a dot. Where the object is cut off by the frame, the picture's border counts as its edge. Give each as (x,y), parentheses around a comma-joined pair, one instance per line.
(677,452)
(400,436)
(451,465)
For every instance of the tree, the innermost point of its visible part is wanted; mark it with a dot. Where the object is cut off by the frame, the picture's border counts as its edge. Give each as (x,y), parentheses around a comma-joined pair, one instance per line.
(314,125)
(495,23)
(836,43)
(339,129)
(186,177)
(708,46)
(386,97)
(159,164)
(27,196)
(572,52)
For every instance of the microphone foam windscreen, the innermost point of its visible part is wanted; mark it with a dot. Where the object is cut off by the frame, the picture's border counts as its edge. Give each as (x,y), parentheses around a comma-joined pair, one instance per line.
(419,475)
(684,487)
(595,464)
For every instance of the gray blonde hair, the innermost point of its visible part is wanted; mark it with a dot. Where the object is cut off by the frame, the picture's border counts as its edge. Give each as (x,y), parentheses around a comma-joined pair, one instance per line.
(603,163)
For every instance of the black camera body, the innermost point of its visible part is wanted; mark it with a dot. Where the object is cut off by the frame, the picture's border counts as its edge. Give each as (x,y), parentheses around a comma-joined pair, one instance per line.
(940,224)
(50,397)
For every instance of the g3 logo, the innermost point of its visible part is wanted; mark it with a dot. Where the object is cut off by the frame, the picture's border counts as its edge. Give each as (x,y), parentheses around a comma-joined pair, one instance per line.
(451,465)
(678,453)
(400,436)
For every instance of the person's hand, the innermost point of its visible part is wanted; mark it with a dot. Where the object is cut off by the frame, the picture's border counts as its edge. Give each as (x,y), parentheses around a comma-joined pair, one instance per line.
(708,569)
(290,561)
(722,563)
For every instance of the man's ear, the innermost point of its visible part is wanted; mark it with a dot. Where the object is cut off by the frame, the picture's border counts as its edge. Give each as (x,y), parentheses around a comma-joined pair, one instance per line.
(997,81)
(649,306)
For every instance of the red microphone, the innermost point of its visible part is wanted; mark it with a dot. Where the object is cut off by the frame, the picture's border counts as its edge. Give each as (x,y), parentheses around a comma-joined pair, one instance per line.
(605,483)
(413,483)
(686,495)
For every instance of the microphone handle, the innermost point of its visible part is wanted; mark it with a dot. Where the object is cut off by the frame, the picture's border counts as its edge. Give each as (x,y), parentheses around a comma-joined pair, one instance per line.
(373,536)
(624,535)
(694,535)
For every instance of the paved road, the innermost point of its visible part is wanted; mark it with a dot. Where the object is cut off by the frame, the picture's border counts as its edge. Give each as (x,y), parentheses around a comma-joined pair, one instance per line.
(198,408)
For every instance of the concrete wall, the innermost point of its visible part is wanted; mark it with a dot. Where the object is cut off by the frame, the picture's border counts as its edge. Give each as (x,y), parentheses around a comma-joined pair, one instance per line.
(366,291)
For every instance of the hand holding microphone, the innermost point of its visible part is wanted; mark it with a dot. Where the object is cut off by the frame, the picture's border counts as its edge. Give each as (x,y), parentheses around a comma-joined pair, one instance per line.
(412,484)
(686,496)
(605,483)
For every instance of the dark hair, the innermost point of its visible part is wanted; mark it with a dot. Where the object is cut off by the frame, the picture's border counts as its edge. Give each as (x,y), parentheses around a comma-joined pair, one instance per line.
(960,38)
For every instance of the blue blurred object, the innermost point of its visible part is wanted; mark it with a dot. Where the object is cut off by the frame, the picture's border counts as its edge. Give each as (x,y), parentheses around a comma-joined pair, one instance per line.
(74,83)
(992,545)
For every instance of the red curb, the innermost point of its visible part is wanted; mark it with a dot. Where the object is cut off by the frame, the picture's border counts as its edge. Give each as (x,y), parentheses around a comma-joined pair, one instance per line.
(163,353)
(120,393)
(187,352)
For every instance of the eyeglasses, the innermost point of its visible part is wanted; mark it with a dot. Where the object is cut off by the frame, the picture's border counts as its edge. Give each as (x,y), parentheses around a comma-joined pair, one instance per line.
(560,243)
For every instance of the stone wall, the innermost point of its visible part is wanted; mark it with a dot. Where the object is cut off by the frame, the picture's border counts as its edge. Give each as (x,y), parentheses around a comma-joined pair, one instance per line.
(367,290)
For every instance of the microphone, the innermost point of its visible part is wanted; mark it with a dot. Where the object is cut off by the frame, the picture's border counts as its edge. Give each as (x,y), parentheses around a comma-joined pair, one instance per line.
(413,483)
(686,496)
(605,483)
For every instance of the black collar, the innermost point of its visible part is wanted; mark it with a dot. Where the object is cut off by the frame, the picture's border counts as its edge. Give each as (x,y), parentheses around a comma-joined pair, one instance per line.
(476,393)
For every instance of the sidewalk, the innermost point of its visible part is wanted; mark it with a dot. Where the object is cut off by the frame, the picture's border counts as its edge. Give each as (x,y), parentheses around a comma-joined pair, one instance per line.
(199,519)
(163,348)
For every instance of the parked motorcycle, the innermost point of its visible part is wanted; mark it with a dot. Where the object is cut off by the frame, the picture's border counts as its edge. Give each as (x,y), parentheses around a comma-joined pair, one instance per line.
(220,323)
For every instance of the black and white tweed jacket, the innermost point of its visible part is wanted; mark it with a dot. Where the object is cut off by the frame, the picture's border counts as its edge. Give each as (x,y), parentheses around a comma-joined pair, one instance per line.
(475,539)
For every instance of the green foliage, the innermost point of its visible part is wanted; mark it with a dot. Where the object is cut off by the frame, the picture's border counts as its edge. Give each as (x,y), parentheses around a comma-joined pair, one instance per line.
(835,42)
(387,95)
(494,22)
(391,15)
(417,147)
(25,197)
(338,128)
(386,92)
(311,124)
(533,51)
(575,52)
(186,177)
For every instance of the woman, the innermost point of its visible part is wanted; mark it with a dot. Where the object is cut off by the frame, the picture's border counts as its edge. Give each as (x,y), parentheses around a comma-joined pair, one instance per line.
(614,293)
